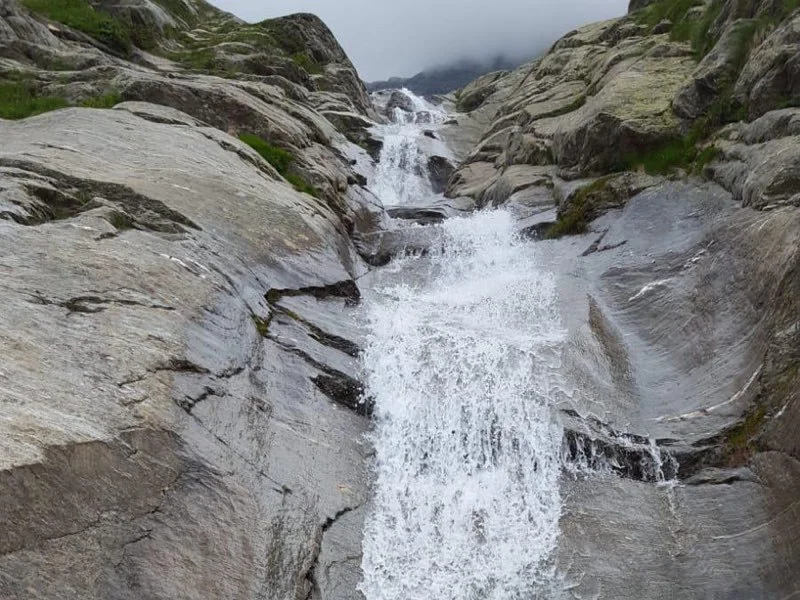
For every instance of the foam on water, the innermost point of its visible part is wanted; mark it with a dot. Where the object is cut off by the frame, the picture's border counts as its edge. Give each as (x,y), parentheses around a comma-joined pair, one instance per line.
(402,173)
(462,362)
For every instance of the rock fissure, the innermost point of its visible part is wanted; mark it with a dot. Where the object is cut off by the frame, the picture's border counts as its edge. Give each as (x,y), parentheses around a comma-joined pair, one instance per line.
(67,196)
(346,289)
(310,576)
(339,387)
(94,304)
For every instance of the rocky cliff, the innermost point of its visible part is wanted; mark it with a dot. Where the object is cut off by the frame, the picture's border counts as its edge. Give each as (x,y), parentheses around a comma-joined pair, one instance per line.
(184,221)
(180,411)
(657,155)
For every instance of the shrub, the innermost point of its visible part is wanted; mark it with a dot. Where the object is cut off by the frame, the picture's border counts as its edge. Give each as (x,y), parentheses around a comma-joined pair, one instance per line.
(80,15)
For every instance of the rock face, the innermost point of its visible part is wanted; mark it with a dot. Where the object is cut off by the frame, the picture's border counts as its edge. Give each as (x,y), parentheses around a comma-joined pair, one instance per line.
(179,352)
(678,167)
(398,100)
(771,77)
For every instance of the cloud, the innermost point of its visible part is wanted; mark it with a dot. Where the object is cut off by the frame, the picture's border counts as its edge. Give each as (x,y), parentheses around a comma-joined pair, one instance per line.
(385,38)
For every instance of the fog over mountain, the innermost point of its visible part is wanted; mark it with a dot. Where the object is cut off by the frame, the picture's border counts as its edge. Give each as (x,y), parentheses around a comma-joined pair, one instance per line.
(385,38)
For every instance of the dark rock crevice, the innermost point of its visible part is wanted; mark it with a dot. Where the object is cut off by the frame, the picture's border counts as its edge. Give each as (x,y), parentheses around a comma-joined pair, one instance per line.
(346,289)
(63,196)
(310,577)
(90,304)
(339,387)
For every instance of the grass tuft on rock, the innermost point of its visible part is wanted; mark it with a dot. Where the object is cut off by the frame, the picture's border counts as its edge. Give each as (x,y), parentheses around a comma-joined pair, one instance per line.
(306,62)
(18,99)
(740,440)
(108,100)
(262,325)
(575,220)
(690,153)
(120,220)
(281,160)
(277,157)
(80,15)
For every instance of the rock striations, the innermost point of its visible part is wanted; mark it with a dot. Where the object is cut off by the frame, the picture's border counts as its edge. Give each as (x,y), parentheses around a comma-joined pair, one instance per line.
(183,221)
(667,140)
(180,411)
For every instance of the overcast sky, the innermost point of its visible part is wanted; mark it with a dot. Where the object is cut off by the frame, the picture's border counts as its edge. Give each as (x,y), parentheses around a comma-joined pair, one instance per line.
(401,37)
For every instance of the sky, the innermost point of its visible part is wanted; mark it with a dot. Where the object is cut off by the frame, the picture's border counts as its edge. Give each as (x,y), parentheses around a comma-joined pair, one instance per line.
(388,37)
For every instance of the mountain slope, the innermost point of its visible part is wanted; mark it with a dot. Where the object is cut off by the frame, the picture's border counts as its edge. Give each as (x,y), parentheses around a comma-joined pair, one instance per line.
(179,247)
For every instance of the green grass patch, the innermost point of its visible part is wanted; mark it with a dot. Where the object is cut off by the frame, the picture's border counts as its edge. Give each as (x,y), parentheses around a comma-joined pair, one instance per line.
(277,157)
(120,220)
(307,62)
(684,28)
(702,41)
(281,160)
(678,153)
(672,10)
(80,15)
(286,35)
(203,59)
(687,153)
(178,9)
(104,101)
(18,99)
(743,36)
(704,157)
(739,443)
(262,325)
(575,220)
(301,185)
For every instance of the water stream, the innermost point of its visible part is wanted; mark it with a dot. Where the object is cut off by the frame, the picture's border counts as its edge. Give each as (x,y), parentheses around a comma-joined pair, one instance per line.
(462,361)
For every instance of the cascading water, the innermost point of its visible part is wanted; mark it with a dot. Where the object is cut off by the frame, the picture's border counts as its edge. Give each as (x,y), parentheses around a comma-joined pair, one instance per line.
(462,363)
(402,175)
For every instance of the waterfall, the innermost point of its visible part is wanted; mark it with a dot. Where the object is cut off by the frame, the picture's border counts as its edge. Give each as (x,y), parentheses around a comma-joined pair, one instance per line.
(402,173)
(461,361)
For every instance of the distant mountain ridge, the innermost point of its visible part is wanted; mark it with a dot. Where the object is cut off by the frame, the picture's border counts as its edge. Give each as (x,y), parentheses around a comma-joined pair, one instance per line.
(446,78)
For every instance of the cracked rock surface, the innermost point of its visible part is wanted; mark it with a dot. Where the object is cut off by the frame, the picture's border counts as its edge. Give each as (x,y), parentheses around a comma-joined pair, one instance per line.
(147,421)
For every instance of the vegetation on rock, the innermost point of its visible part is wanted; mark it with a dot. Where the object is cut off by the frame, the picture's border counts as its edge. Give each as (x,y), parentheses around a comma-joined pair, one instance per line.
(575,219)
(281,160)
(18,99)
(108,100)
(80,15)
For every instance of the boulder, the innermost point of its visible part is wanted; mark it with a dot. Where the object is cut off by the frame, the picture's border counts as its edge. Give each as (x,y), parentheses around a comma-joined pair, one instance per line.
(398,100)
(715,74)
(771,77)
(759,162)
(631,114)
(440,169)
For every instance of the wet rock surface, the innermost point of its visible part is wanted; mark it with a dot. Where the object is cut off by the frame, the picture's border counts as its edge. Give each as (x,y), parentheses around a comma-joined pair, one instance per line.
(678,293)
(180,351)
(181,382)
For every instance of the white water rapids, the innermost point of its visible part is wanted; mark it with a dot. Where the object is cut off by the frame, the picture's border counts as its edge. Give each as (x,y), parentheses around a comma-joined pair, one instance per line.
(402,175)
(462,363)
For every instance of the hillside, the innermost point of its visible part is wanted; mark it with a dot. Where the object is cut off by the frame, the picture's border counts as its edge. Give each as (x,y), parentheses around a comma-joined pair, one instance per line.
(180,219)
